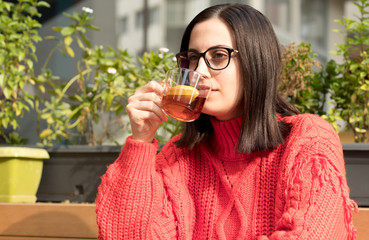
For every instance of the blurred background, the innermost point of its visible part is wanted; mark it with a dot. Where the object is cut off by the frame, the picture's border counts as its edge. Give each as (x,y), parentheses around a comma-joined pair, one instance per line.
(144,25)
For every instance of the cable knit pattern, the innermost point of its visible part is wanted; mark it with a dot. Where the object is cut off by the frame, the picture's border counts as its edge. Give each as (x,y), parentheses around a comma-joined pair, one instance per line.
(296,191)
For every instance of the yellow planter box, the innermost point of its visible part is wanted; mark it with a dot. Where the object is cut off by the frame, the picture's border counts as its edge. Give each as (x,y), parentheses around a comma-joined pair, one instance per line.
(20,173)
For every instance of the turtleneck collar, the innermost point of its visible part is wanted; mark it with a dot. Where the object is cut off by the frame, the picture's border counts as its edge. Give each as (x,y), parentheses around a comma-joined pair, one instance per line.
(225,141)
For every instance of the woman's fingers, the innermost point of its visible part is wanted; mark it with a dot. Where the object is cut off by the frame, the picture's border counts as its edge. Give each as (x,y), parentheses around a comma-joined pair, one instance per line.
(145,113)
(152,87)
(146,106)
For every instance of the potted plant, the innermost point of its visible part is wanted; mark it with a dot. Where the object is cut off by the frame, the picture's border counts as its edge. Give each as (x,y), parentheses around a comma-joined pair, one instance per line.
(349,89)
(20,168)
(86,124)
(339,92)
(349,84)
(20,173)
(300,80)
(86,110)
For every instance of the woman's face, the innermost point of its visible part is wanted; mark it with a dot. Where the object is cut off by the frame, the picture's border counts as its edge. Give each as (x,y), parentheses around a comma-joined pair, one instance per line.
(224,101)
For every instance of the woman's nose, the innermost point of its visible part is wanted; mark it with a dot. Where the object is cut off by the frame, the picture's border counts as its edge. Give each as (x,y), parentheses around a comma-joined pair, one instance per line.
(202,67)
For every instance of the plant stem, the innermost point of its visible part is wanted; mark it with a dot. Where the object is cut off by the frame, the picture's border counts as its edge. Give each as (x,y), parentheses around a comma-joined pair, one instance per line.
(50,55)
(75,78)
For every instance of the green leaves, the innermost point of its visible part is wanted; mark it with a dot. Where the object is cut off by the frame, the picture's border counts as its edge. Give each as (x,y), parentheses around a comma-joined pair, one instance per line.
(346,83)
(300,82)
(67,31)
(97,95)
(18,36)
(350,88)
(43,4)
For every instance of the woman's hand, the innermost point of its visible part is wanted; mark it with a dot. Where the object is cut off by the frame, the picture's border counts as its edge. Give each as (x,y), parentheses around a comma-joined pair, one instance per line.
(144,111)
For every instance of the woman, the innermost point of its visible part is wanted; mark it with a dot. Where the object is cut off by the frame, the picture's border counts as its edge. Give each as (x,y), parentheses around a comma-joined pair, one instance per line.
(251,167)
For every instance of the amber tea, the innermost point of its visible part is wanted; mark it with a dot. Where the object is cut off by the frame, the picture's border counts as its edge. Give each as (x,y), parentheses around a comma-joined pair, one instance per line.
(185,94)
(180,108)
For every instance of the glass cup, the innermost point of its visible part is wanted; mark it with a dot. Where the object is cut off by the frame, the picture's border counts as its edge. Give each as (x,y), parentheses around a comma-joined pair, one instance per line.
(185,92)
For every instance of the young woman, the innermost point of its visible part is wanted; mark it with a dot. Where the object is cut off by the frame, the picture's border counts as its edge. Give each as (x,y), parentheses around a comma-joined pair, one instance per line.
(251,167)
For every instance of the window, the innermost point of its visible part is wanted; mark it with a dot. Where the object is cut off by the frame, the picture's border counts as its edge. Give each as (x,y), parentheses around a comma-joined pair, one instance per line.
(124,25)
(176,12)
(139,19)
(313,23)
(278,12)
(154,16)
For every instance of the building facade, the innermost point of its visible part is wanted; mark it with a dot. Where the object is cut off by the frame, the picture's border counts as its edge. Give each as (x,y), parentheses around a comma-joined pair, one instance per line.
(311,21)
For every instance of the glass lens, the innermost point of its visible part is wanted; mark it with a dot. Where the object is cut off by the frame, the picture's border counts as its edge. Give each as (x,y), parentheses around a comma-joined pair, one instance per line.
(215,58)
(193,59)
(183,60)
(218,57)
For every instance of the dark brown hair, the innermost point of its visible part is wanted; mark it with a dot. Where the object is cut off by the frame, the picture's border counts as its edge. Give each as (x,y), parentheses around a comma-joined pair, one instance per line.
(260,65)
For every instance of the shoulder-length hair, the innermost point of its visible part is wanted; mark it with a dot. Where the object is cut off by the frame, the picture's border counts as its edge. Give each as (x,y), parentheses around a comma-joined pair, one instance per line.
(260,65)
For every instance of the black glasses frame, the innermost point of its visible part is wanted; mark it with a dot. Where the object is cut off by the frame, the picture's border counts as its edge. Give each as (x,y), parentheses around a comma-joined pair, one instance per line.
(181,55)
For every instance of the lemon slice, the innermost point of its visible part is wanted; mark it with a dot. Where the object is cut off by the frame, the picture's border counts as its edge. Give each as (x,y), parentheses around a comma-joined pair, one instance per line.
(186,92)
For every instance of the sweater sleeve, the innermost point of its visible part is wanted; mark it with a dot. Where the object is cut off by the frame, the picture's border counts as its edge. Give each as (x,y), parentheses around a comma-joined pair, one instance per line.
(316,203)
(131,201)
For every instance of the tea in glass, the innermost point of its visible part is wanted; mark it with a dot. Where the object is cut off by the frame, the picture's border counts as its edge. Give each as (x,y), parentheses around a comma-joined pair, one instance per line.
(185,94)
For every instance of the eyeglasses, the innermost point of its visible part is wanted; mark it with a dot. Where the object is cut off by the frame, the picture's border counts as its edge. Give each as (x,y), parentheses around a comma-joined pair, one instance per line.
(216,58)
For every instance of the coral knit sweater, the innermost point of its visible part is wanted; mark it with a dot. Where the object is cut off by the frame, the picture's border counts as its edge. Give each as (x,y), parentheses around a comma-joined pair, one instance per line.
(296,191)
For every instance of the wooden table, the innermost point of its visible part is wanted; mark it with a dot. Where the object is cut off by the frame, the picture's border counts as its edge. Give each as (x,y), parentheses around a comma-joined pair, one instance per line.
(361,222)
(47,221)
(50,221)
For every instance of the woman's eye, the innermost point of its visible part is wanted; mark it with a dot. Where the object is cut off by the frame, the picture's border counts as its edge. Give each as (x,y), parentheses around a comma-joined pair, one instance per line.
(219,55)
(193,57)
